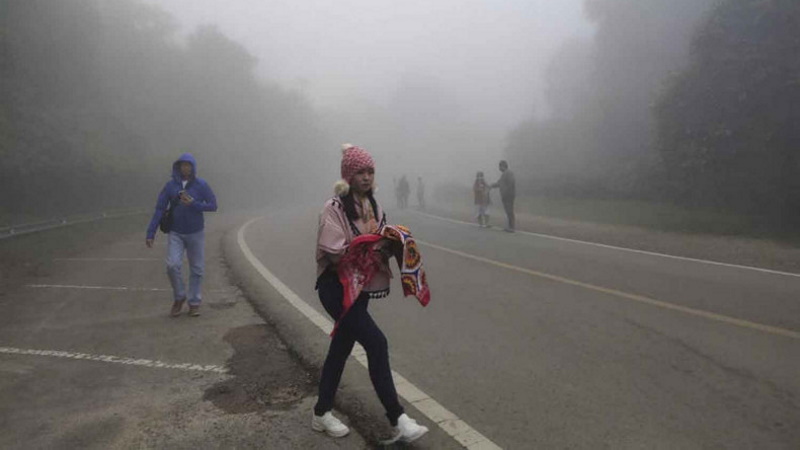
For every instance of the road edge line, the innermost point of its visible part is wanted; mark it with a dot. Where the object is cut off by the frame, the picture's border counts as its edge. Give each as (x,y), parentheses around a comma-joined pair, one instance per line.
(624,249)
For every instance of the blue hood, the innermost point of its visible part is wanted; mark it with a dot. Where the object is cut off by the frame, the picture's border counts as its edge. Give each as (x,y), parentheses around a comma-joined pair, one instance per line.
(176,171)
(187,218)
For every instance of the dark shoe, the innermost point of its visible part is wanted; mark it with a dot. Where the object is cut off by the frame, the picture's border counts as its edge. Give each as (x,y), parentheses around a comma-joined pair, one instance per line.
(194,310)
(176,308)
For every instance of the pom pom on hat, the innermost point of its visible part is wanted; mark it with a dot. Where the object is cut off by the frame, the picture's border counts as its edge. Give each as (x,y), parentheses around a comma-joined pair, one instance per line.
(341,188)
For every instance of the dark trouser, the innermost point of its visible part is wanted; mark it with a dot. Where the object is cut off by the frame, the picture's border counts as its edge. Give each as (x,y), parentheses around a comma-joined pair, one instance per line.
(508,205)
(357,325)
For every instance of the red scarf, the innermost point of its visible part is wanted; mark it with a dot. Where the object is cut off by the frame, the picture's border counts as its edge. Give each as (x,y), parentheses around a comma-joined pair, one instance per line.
(363,260)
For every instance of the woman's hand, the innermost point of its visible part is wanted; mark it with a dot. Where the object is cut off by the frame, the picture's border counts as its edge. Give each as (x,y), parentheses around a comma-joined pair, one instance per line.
(386,248)
(386,253)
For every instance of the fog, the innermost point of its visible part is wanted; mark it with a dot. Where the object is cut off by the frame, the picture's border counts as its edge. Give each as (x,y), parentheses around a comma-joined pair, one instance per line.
(584,98)
(418,83)
(609,223)
(487,55)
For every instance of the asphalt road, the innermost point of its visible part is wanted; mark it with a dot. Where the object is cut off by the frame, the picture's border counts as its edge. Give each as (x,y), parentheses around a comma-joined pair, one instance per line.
(545,343)
(90,359)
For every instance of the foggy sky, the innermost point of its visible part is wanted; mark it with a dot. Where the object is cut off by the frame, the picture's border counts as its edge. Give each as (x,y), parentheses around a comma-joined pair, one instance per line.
(491,55)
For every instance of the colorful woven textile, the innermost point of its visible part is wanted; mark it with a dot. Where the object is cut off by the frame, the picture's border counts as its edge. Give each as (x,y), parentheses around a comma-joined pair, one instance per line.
(363,259)
(412,274)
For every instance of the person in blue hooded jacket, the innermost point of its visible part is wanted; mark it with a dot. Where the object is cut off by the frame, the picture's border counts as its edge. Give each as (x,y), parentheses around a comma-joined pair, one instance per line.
(189,197)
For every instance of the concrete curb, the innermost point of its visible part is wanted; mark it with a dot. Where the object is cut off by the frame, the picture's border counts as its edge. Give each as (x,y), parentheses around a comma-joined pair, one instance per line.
(355,397)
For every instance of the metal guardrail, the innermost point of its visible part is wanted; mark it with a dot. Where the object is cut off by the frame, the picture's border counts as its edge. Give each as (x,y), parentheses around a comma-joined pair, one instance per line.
(33,227)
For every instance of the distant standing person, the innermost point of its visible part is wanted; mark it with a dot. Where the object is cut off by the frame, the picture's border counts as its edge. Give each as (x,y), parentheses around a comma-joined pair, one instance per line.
(187,197)
(420,193)
(404,190)
(397,196)
(508,192)
(482,199)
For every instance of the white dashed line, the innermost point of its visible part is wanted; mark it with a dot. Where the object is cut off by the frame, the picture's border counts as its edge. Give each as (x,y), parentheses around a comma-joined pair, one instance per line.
(446,420)
(109,288)
(107,259)
(116,360)
(121,288)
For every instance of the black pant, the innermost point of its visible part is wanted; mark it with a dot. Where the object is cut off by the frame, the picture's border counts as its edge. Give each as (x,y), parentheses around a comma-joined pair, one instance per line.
(508,205)
(357,325)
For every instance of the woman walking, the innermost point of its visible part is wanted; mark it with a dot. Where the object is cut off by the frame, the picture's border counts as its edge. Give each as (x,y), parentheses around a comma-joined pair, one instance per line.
(353,211)
(481,190)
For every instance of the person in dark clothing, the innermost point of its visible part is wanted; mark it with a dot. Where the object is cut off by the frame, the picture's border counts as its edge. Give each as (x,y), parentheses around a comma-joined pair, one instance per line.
(420,193)
(404,189)
(188,197)
(508,191)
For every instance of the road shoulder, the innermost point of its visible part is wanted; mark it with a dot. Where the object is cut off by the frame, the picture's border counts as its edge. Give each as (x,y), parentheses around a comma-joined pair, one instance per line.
(96,367)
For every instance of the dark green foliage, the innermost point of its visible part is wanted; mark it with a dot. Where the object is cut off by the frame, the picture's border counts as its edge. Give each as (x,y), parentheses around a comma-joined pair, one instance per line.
(695,102)
(98,97)
(729,126)
(597,137)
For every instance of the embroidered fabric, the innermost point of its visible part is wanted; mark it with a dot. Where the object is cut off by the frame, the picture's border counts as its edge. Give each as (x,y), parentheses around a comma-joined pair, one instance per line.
(364,260)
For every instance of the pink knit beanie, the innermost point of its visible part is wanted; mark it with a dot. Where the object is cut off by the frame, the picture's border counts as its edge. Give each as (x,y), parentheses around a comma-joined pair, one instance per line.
(354,160)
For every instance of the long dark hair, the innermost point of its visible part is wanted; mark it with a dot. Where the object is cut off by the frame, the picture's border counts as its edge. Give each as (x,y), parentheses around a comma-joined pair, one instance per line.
(349,204)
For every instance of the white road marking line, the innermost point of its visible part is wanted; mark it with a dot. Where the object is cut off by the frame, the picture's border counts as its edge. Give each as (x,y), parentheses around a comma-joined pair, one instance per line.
(447,421)
(634,297)
(121,288)
(107,259)
(116,360)
(626,249)
(110,288)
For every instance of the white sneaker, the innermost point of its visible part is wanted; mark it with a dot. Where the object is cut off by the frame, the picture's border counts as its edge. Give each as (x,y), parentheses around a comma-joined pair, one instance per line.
(330,425)
(408,430)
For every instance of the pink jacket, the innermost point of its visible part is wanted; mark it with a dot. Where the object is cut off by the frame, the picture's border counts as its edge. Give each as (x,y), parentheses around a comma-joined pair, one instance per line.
(336,232)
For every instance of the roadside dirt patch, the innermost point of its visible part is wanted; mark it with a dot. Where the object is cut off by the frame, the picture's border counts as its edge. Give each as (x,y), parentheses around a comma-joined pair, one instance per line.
(265,374)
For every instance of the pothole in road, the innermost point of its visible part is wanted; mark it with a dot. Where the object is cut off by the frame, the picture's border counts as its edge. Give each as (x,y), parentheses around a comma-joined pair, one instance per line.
(264,374)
